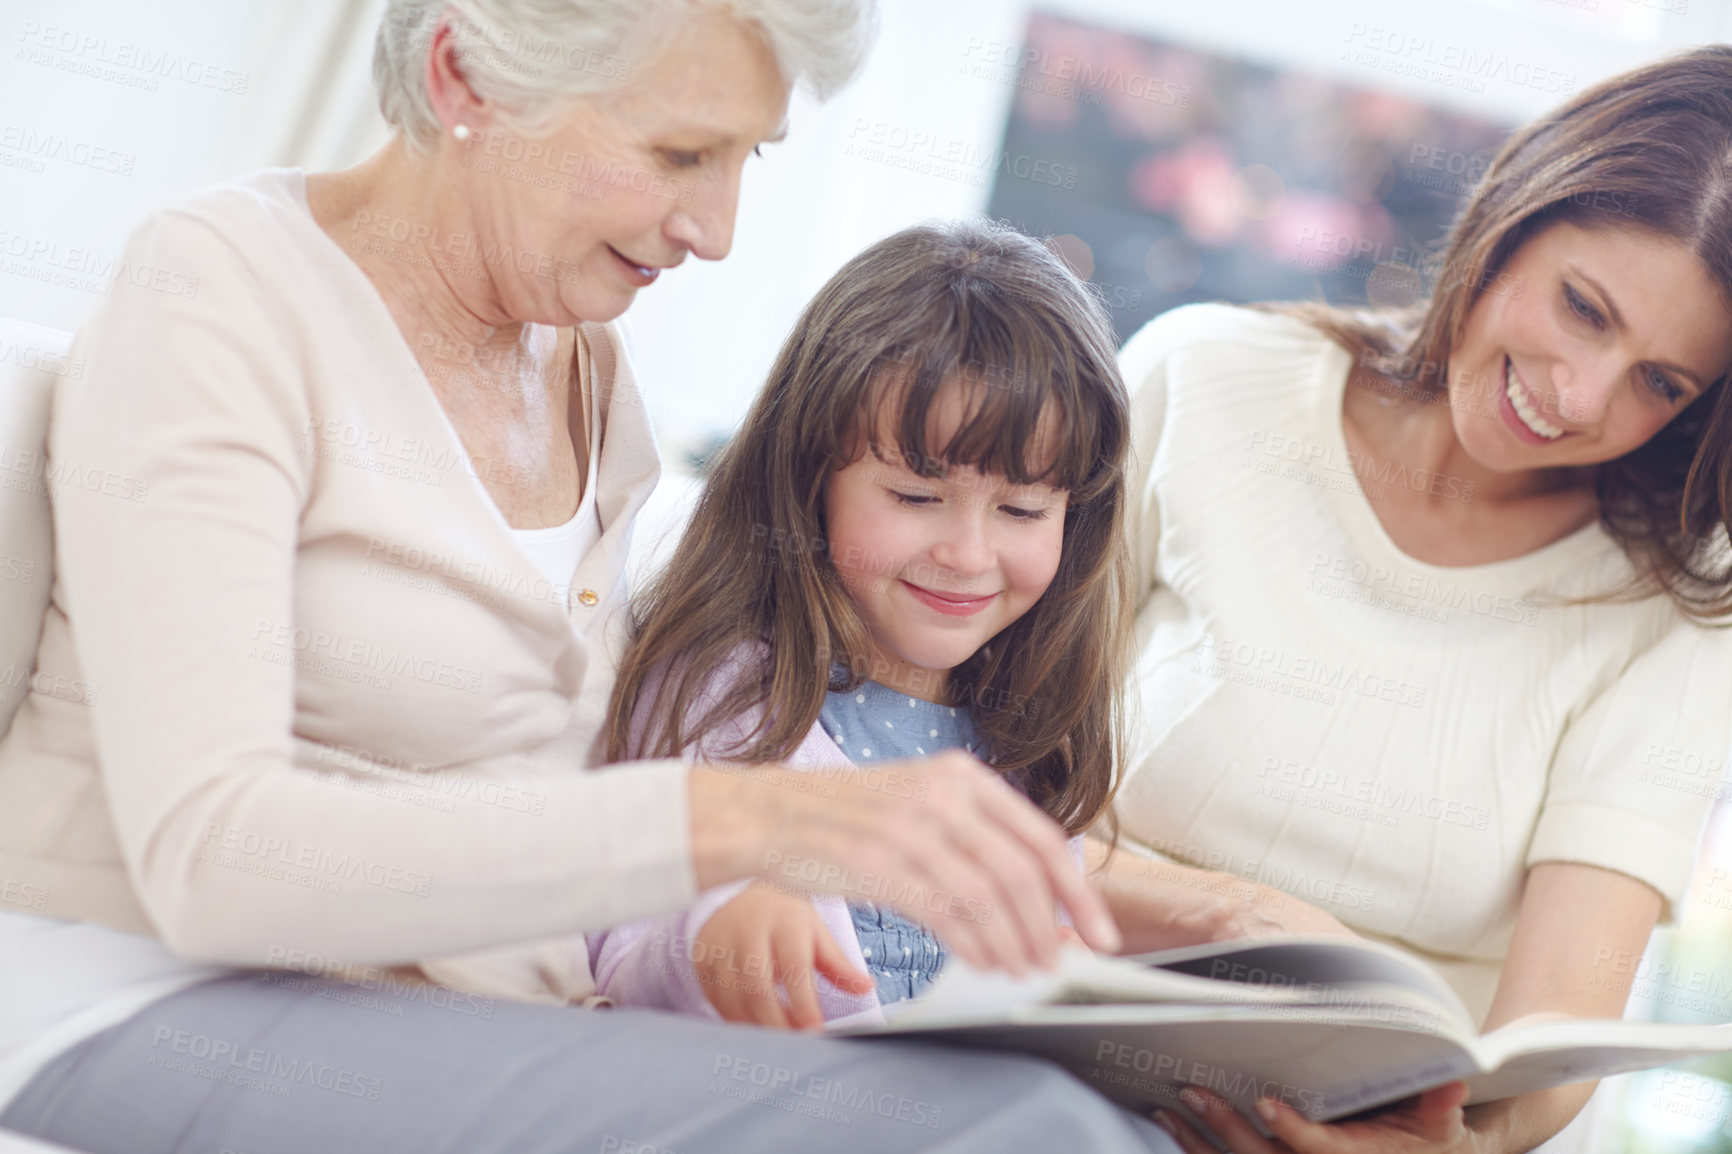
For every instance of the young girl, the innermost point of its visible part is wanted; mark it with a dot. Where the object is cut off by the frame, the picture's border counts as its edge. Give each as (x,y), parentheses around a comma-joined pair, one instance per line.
(913,546)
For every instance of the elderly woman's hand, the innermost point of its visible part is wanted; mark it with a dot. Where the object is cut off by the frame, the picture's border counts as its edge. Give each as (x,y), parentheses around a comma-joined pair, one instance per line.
(940,840)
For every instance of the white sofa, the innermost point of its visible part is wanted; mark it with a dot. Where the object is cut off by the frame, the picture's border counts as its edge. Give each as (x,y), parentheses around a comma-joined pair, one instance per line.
(31,358)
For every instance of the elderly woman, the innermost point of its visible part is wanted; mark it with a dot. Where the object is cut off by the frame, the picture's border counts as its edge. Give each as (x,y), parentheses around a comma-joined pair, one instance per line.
(351,657)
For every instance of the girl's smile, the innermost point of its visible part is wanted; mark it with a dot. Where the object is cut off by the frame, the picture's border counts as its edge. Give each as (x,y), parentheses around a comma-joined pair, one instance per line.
(949,604)
(938,566)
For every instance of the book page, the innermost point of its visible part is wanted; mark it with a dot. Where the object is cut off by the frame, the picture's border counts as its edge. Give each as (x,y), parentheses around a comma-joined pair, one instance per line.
(1323,1063)
(1318,963)
(1139,1035)
(964,994)
(1520,1059)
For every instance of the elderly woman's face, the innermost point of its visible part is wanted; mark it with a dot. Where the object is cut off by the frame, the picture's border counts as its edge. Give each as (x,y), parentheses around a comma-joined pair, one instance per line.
(1586,346)
(624,185)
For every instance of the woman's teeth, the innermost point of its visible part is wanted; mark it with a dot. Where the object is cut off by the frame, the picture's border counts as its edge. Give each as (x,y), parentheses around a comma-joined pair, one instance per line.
(1518,399)
(642,270)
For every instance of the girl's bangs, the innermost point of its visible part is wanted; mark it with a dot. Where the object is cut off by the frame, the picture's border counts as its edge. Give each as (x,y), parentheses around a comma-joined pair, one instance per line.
(1029,424)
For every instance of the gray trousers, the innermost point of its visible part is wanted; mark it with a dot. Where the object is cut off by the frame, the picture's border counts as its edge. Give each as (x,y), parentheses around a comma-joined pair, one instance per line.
(284,1064)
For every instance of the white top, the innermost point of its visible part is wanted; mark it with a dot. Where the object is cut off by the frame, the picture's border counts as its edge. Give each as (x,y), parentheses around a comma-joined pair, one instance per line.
(376,750)
(1393,741)
(557,550)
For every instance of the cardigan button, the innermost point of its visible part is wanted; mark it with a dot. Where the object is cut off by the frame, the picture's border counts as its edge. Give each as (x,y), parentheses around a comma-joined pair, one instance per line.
(588,598)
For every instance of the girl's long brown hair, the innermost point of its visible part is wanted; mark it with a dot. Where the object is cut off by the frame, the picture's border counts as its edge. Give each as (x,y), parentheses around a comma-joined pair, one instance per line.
(1649,150)
(970,303)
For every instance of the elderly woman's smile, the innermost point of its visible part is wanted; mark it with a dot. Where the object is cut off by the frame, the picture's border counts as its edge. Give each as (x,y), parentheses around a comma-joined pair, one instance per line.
(664,151)
(640,274)
(614,186)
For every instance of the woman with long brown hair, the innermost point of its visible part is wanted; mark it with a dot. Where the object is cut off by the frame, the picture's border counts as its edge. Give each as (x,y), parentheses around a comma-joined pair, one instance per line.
(1428,600)
(915,542)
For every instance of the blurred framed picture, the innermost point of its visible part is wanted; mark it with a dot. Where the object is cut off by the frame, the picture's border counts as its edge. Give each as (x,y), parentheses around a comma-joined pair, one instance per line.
(1169,175)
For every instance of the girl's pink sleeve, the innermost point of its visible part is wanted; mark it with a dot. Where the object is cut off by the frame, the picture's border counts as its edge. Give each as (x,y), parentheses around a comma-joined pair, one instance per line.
(653,962)
(650,962)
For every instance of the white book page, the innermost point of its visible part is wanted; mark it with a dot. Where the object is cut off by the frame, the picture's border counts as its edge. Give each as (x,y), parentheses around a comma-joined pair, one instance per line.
(963,994)
(1520,1059)
(1313,962)
(1139,1034)
(1324,1063)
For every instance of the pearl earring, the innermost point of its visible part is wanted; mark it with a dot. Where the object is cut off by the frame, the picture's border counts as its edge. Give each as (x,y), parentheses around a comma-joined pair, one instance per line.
(462,132)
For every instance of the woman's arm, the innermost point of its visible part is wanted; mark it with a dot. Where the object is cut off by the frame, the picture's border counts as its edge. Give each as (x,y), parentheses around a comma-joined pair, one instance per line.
(1574,919)
(1161,905)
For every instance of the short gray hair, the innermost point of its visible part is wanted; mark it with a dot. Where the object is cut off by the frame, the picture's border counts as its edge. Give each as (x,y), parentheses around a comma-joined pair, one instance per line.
(530,55)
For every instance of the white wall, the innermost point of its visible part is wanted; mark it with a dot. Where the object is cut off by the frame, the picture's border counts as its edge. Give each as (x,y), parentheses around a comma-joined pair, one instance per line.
(706,334)
(185,93)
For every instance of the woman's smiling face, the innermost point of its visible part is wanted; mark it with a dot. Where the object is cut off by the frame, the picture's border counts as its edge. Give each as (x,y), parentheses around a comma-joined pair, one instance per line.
(620,186)
(1591,342)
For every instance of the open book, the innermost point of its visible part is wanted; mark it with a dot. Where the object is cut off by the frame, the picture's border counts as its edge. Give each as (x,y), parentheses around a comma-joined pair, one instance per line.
(1329,1025)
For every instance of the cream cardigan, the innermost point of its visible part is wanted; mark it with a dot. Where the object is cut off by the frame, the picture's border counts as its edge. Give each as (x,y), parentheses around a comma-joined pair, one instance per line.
(305,697)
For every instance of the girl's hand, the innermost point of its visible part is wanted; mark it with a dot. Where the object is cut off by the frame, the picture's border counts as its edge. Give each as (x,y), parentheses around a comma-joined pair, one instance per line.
(940,840)
(761,938)
(1432,1123)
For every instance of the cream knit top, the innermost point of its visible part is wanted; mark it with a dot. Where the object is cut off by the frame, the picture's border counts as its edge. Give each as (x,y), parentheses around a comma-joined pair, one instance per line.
(1393,741)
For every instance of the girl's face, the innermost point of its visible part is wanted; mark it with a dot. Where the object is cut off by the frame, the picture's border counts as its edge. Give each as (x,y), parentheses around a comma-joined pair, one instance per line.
(1589,342)
(938,566)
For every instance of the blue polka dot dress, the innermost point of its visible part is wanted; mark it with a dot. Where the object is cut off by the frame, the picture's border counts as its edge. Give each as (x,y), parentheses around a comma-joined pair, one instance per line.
(876,723)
